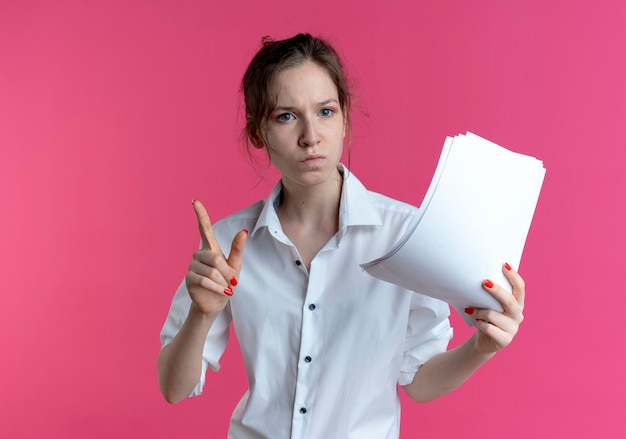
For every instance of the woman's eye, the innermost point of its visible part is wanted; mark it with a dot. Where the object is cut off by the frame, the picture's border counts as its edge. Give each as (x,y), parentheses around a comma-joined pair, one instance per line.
(325,112)
(285,117)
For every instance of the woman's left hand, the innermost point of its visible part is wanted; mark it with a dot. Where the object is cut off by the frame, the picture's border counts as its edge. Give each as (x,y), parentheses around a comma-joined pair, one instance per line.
(496,329)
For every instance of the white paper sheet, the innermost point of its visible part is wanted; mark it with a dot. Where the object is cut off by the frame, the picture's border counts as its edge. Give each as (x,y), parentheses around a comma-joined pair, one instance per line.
(475,216)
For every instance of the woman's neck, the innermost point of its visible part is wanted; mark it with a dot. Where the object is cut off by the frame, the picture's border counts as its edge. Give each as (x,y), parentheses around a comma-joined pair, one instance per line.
(311,205)
(309,216)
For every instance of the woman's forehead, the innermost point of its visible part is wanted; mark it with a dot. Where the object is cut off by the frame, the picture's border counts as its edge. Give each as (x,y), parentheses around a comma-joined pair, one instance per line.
(305,82)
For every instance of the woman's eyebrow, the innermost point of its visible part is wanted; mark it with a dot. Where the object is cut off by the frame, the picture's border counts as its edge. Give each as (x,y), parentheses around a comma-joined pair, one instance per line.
(319,104)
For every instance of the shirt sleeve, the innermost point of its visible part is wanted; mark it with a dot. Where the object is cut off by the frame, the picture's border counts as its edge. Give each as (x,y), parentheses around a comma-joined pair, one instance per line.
(216,340)
(428,334)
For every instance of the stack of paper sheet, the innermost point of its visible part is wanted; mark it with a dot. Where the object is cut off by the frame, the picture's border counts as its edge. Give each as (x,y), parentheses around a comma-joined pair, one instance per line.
(475,216)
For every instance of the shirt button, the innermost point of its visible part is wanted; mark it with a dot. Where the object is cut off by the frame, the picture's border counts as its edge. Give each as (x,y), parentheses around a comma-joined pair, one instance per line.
(311,307)
(298,263)
(307,359)
(302,410)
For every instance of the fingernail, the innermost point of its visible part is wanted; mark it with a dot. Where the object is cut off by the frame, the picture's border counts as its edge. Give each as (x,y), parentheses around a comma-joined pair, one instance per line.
(193,201)
(507,266)
(469,311)
(233,282)
(488,284)
(228,291)
(245,230)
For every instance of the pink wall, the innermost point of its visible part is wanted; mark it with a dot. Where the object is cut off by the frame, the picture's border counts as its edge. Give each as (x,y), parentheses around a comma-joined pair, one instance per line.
(113,115)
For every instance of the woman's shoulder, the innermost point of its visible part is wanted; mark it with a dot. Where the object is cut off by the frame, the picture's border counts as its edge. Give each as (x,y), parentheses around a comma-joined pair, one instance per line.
(386,207)
(391,207)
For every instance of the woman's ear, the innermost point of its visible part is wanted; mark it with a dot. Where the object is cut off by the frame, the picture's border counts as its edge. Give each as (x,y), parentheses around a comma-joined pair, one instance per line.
(256,139)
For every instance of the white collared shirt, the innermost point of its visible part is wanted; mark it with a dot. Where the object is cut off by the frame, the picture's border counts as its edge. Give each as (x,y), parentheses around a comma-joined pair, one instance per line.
(325,349)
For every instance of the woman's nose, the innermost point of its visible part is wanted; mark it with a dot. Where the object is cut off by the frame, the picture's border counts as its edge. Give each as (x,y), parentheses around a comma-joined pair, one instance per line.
(309,135)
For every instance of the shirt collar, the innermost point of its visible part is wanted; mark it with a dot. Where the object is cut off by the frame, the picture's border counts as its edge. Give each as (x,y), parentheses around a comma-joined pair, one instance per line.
(355,206)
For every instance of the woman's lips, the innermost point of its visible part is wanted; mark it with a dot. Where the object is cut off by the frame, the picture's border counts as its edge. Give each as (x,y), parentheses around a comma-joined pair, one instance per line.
(313,162)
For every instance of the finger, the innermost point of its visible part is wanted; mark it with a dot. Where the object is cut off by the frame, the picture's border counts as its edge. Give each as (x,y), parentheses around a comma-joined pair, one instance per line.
(518,284)
(206,230)
(235,257)
(505,323)
(508,301)
(210,272)
(197,280)
(498,337)
(208,262)
(212,259)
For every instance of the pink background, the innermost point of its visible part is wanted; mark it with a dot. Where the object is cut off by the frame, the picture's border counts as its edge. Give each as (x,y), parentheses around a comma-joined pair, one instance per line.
(114,115)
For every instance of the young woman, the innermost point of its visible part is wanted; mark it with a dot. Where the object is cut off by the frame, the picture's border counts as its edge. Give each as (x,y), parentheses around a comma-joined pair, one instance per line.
(324,344)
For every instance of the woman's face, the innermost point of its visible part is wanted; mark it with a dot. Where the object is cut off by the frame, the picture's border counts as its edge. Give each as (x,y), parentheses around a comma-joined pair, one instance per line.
(304,133)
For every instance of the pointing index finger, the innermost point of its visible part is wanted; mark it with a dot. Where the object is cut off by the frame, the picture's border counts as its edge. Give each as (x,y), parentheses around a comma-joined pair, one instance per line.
(204,225)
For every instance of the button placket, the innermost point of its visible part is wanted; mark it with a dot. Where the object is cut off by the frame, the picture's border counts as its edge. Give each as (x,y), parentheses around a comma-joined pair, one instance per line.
(311,343)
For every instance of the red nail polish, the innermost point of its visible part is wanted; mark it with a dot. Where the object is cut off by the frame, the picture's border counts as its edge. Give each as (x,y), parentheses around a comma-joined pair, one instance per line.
(233,282)
(488,284)
(507,266)
(245,230)
(228,291)
(469,311)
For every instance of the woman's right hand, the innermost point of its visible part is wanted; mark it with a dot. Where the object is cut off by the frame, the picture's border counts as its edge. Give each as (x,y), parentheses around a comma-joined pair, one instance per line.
(212,277)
